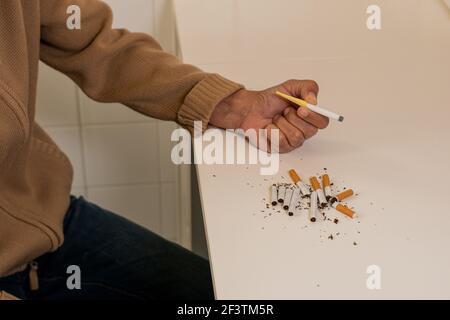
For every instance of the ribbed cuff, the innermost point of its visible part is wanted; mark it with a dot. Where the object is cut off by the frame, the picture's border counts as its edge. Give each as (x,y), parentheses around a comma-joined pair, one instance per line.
(199,104)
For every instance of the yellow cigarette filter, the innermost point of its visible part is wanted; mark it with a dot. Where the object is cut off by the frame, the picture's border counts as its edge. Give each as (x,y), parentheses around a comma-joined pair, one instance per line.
(298,181)
(294,176)
(326,186)
(316,187)
(314,183)
(344,210)
(343,195)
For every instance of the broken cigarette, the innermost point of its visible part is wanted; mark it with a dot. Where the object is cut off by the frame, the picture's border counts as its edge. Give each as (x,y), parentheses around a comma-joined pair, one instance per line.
(326,186)
(273,194)
(281,193)
(313,207)
(287,198)
(344,210)
(316,187)
(341,196)
(297,181)
(294,201)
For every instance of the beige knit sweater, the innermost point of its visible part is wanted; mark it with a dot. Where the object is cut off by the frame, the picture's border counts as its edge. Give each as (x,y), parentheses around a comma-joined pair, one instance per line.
(110,66)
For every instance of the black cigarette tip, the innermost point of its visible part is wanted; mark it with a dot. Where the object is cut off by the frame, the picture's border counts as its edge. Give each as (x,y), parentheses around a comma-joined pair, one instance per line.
(274,203)
(286,207)
(280,200)
(341,118)
(291,214)
(313,219)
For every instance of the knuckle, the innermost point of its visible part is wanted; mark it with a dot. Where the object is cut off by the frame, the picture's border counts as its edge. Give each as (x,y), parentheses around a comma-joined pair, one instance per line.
(297,138)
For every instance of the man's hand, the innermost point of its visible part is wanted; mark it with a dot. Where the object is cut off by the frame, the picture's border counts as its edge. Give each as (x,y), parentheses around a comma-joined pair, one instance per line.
(265,110)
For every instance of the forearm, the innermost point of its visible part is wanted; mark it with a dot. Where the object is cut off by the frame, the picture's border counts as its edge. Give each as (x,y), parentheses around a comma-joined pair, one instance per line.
(112,65)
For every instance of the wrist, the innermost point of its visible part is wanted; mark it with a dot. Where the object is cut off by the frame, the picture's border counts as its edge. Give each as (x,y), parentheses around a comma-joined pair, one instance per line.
(231,111)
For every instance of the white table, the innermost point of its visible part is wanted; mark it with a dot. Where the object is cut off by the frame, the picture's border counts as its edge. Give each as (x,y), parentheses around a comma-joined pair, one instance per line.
(393,87)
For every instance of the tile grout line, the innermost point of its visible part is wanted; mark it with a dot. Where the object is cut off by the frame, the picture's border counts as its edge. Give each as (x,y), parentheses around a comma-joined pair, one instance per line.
(82,142)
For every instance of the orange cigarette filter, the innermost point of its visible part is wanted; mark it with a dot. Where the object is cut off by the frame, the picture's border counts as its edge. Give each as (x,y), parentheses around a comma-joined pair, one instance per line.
(314,183)
(345,210)
(344,195)
(294,176)
(325,180)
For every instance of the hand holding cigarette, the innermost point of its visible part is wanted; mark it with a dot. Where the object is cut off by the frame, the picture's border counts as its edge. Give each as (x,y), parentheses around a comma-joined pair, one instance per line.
(264,109)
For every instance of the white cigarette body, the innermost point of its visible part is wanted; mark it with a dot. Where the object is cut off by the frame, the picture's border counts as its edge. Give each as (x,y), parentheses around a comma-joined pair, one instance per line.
(328,192)
(281,193)
(274,194)
(313,207)
(287,198)
(322,200)
(294,201)
(325,112)
(303,188)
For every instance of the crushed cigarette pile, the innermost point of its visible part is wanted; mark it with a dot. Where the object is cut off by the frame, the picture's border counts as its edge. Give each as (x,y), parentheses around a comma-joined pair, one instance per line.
(289,196)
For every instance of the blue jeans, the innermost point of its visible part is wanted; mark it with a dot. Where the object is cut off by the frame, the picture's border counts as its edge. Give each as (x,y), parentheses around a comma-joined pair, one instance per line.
(117,259)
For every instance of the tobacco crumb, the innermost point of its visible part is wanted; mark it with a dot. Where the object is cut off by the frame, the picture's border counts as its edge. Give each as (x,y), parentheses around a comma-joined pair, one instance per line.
(325,169)
(262,228)
(214,175)
(354,243)
(336,221)
(330,237)
(318,285)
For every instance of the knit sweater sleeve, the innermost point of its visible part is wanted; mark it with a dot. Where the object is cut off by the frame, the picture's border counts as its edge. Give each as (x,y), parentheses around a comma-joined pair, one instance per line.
(115,65)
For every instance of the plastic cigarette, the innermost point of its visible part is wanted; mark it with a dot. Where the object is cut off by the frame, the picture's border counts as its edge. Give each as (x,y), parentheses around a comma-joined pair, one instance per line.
(294,201)
(316,187)
(287,198)
(273,194)
(316,109)
(326,186)
(343,195)
(281,193)
(344,210)
(313,207)
(298,181)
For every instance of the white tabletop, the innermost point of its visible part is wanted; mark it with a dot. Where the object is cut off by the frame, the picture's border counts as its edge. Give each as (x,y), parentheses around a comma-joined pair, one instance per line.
(393,149)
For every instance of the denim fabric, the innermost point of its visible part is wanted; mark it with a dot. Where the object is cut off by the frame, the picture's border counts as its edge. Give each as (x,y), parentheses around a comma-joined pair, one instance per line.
(118,260)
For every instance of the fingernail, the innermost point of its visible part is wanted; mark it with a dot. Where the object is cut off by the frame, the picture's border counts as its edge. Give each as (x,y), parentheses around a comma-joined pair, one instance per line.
(303,112)
(285,112)
(312,98)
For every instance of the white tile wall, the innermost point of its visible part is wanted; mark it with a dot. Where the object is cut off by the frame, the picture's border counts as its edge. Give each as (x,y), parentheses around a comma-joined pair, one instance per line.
(121,154)
(121,158)
(56,109)
(140,203)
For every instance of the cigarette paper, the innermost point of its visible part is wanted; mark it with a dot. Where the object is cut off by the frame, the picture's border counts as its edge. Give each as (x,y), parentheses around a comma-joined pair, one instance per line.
(274,194)
(287,198)
(298,181)
(343,195)
(294,201)
(326,186)
(313,207)
(344,210)
(316,187)
(281,193)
